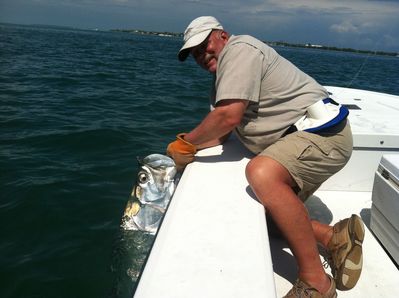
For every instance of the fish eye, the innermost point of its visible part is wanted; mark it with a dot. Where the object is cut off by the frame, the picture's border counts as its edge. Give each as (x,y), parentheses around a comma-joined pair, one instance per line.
(143,178)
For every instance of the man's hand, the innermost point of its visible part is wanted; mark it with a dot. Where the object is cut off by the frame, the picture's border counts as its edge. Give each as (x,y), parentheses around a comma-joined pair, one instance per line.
(181,151)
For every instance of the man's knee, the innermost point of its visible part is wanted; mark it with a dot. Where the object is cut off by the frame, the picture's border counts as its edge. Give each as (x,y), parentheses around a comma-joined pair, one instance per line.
(265,170)
(252,169)
(257,169)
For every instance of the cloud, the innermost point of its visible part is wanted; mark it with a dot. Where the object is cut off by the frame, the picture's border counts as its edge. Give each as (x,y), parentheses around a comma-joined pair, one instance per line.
(344,27)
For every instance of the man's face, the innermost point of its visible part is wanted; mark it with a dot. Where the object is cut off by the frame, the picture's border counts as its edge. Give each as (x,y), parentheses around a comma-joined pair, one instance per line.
(207,53)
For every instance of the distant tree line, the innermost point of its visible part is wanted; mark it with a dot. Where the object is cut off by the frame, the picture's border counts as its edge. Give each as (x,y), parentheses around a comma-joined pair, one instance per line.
(321,47)
(271,43)
(144,32)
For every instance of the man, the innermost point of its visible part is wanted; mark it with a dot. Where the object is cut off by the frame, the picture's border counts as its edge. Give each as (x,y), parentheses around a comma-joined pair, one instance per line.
(300,139)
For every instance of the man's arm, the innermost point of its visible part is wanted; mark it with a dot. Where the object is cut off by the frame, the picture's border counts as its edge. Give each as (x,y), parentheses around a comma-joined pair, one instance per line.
(214,142)
(217,125)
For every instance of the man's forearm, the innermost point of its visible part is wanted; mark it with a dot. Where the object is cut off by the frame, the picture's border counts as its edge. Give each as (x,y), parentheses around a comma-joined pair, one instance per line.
(218,123)
(213,143)
(210,129)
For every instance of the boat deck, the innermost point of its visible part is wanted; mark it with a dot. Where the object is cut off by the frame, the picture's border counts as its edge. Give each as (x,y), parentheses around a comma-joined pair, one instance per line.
(214,241)
(380,275)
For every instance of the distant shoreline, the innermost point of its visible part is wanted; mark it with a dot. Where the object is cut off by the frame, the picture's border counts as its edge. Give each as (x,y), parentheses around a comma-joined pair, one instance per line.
(143,32)
(271,43)
(330,48)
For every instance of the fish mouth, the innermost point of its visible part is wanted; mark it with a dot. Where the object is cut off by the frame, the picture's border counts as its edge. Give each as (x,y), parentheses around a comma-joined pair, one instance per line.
(137,192)
(131,209)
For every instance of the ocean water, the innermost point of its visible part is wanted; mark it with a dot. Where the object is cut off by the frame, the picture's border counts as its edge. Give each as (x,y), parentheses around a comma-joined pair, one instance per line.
(76,108)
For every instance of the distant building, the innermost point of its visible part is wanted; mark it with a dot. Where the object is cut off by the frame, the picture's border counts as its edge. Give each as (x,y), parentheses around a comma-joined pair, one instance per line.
(313,45)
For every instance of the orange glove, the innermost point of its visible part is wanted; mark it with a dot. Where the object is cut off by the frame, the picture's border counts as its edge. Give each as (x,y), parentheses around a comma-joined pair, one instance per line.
(181,151)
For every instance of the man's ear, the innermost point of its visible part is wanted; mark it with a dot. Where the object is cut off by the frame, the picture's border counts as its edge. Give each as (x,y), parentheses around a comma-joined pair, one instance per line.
(224,35)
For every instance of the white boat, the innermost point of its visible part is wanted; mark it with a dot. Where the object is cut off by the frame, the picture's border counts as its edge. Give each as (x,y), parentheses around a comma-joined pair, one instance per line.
(214,241)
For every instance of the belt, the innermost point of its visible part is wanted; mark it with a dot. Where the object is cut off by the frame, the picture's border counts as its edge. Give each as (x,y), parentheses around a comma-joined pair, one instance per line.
(320,116)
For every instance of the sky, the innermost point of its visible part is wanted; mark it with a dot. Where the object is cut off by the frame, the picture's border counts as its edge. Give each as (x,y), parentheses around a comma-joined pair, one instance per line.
(358,24)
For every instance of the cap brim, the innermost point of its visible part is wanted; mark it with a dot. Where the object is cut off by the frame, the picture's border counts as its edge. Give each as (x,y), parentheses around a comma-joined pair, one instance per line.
(183,54)
(192,42)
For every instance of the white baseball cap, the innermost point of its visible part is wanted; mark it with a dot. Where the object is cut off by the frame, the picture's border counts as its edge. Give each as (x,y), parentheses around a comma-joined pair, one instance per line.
(196,32)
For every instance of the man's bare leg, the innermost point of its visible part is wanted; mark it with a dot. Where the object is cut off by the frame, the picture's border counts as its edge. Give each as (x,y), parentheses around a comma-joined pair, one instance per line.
(322,232)
(272,184)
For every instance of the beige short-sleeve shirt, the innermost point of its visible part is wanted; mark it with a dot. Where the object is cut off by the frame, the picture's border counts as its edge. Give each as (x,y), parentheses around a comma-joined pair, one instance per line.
(278,92)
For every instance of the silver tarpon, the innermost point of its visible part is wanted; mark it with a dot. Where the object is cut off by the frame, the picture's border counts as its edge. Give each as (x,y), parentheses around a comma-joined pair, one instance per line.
(151,194)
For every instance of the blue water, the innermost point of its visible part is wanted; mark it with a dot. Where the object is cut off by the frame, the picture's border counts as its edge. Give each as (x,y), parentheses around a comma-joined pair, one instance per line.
(77,107)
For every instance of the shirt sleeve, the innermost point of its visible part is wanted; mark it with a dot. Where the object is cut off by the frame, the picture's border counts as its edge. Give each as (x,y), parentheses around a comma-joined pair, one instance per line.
(239,73)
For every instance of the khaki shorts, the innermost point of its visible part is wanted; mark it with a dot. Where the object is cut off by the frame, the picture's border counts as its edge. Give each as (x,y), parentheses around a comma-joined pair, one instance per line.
(311,158)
